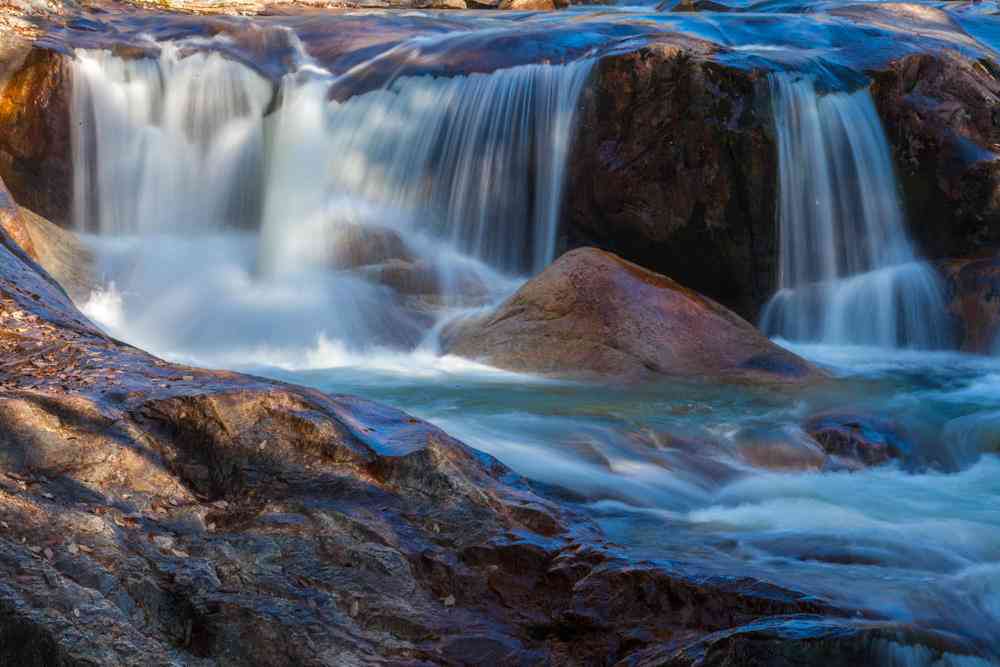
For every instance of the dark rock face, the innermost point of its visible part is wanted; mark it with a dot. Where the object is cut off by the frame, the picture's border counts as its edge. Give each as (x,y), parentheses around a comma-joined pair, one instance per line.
(152,513)
(35,144)
(592,314)
(973,289)
(674,167)
(941,116)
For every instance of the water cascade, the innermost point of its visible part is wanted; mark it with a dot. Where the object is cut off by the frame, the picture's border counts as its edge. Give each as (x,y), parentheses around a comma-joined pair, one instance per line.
(166,145)
(496,145)
(848,273)
(248,187)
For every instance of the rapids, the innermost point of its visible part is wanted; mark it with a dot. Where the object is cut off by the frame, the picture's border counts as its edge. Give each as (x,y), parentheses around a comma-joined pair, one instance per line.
(213,180)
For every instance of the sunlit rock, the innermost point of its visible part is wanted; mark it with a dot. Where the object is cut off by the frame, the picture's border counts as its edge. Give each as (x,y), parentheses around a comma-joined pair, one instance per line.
(35,130)
(592,314)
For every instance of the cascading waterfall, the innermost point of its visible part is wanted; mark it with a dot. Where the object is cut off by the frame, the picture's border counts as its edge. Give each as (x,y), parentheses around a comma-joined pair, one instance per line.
(848,274)
(168,144)
(476,159)
(248,187)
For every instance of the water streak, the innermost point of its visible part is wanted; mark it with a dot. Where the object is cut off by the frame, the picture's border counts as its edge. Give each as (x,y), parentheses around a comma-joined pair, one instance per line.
(173,144)
(847,270)
(478,160)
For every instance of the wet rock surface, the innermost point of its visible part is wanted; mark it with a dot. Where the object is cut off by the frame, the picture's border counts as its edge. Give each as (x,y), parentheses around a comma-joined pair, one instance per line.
(152,513)
(798,640)
(675,163)
(35,129)
(592,314)
(857,439)
(940,114)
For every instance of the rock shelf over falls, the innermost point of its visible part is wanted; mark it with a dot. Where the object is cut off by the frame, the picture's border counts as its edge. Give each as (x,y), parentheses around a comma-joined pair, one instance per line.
(486,284)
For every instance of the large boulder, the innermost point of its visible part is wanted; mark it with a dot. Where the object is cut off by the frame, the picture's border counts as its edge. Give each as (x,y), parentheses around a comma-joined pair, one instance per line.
(592,314)
(941,113)
(35,143)
(61,253)
(674,167)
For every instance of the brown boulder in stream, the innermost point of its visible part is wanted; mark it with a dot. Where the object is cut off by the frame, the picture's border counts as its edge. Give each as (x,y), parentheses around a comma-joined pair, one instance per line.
(594,315)
(941,116)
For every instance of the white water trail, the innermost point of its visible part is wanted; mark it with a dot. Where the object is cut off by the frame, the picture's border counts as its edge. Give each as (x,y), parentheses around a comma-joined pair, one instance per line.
(848,274)
(170,145)
(244,221)
(478,160)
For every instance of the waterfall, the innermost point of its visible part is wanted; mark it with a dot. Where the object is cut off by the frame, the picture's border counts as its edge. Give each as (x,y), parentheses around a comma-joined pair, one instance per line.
(226,202)
(848,273)
(478,160)
(182,141)
(168,144)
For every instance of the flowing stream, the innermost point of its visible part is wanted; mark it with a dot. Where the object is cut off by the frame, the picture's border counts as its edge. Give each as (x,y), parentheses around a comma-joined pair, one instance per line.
(267,222)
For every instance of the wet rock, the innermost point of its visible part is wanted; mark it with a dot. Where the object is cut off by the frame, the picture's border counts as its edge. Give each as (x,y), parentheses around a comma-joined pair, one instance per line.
(779,448)
(61,253)
(940,115)
(418,277)
(674,167)
(354,245)
(973,290)
(438,286)
(858,438)
(592,314)
(35,141)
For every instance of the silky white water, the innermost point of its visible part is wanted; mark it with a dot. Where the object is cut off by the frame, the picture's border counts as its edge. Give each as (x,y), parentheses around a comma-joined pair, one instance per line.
(477,160)
(848,273)
(245,219)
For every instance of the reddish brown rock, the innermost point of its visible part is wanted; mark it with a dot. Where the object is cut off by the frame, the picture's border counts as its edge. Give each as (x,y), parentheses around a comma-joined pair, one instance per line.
(941,116)
(973,289)
(779,448)
(592,314)
(858,438)
(674,167)
(35,160)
